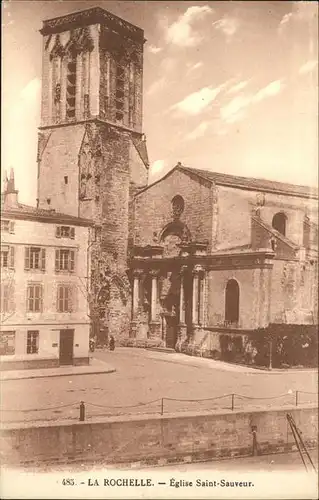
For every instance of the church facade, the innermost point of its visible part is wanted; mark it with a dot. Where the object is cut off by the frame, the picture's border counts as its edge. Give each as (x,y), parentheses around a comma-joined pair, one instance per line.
(178,263)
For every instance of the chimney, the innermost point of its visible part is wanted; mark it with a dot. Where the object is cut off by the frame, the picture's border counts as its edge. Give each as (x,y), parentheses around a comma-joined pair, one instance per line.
(10,194)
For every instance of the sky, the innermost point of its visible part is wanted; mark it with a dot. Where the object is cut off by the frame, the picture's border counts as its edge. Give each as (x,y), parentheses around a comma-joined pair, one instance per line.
(228,86)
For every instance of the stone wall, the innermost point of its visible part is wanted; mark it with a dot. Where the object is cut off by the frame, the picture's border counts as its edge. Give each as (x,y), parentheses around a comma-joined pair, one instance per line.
(172,438)
(153,209)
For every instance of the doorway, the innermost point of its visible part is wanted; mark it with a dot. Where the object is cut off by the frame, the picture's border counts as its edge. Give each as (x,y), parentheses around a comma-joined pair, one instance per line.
(66,347)
(171,331)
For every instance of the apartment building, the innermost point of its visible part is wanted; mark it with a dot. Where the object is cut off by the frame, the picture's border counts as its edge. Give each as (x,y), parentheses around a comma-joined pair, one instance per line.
(44,286)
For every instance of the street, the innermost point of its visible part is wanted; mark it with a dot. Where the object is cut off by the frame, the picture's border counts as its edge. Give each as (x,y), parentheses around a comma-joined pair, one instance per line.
(144,376)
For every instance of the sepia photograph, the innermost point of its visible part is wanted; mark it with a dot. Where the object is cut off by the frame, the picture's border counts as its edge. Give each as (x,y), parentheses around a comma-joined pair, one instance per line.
(159,250)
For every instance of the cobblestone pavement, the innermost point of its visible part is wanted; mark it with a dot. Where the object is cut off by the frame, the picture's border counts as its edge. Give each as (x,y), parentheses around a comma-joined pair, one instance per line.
(146,376)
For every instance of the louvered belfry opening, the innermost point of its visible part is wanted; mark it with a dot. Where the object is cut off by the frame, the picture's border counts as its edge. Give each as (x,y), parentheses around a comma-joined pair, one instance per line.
(71,86)
(119,96)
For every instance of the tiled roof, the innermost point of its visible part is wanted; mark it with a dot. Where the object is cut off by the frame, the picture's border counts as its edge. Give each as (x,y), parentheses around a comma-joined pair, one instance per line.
(141,148)
(22,211)
(252,183)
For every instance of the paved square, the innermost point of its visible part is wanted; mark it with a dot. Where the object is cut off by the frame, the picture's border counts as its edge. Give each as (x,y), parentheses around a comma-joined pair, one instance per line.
(143,376)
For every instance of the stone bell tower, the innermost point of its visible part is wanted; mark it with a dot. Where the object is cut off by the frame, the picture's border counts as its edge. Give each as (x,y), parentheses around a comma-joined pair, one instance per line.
(92,153)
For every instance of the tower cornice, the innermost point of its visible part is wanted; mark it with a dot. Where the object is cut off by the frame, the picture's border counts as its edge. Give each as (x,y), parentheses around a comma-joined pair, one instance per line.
(95,15)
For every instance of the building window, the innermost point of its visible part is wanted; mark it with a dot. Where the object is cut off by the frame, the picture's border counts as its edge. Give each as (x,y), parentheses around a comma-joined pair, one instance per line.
(66,179)
(64,260)
(7,226)
(71,87)
(7,301)
(34,258)
(65,232)
(64,303)
(34,298)
(7,343)
(232,303)
(119,92)
(279,223)
(178,205)
(33,342)
(7,256)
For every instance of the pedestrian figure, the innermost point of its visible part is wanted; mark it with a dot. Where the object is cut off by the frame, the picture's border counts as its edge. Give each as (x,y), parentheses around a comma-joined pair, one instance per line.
(112,343)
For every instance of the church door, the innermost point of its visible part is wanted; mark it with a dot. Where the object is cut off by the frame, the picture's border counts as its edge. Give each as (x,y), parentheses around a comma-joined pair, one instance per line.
(171,331)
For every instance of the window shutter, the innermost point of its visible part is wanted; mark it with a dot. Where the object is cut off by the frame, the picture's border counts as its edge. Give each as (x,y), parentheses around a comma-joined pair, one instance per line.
(28,298)
(57,260)
(71,262)
(11,299)
(72,233)
(11,257)
(70,298)
(11,226)
(58,291)
(40,288)
(58,232)
(43,259)
(27,258)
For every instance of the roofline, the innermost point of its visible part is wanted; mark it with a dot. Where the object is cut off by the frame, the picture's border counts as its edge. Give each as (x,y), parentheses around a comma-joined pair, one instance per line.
(250,188)
(55,218)
(199,173)
(156,182)
(276,233)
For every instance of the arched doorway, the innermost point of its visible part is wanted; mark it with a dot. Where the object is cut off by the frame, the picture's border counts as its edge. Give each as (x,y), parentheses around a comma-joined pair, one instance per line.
(279,223)
(232,302)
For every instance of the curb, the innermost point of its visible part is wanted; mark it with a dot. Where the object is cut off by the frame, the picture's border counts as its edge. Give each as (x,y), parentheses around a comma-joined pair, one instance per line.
(72,374)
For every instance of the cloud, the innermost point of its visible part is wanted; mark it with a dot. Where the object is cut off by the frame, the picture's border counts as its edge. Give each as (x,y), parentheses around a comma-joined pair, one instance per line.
(199,131)
(167,64)
(154,50)
(238,87)
(270,90)
(181,32)
(157,86)
(195,66)
(234,110)
(308,67)
(31,90)
(196,102)
(228,26)
(157,166)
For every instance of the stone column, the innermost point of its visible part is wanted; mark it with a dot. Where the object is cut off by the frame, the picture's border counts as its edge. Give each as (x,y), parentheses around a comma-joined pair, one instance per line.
(182,298)
(182,327)
(155,324)
(154,297)
(195,296)
(136,286)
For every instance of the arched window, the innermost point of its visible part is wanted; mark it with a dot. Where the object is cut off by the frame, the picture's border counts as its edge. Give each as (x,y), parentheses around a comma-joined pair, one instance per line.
(279,223)
(177,206)
(232,303)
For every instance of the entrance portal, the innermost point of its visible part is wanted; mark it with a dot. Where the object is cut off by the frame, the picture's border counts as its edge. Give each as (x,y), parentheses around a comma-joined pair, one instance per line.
(66,347)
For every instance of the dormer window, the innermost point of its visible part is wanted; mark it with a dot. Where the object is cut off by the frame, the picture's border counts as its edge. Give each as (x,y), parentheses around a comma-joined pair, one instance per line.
(65,232)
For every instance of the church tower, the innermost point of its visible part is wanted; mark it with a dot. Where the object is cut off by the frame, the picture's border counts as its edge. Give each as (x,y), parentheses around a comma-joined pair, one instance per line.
(92,154)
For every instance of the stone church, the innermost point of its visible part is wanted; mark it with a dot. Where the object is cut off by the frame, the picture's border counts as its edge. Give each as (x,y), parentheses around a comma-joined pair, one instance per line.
(180,262)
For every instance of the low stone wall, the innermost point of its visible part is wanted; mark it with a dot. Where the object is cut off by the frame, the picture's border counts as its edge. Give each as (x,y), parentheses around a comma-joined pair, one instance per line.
(159,439)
